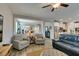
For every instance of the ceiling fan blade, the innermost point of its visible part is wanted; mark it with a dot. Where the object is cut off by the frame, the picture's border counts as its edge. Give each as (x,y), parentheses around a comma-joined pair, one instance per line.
(64,5)
(52,10)
(46,6)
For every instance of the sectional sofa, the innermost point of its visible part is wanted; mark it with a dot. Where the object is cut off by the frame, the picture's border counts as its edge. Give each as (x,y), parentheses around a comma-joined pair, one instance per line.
(68,43)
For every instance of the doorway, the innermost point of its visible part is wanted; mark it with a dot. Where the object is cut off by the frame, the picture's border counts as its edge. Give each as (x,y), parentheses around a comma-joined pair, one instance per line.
(47,32)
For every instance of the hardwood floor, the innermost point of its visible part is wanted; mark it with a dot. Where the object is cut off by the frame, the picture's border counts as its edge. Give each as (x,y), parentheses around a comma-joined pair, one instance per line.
(5,50)
(37,50)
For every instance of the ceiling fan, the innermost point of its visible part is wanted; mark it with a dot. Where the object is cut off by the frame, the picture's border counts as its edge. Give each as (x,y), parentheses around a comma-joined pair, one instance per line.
(56,5)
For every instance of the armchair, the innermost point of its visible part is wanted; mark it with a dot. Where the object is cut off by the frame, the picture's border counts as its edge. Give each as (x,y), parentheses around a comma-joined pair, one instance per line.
(39,39)
(20,43)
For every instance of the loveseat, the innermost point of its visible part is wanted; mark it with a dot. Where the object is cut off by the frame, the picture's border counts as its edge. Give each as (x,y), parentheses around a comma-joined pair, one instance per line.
(68,43)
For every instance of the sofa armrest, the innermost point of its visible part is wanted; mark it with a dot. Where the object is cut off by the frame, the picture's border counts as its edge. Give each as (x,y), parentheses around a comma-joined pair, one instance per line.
(15,44)
(53,40)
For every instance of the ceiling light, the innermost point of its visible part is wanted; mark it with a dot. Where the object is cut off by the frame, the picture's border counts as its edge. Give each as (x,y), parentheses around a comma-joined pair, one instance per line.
(56,5)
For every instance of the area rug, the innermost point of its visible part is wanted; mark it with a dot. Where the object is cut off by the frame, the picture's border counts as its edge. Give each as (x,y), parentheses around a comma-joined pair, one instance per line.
(36,52)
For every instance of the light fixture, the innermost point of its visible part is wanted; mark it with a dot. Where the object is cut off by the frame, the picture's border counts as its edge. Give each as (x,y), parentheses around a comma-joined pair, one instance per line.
(56,5)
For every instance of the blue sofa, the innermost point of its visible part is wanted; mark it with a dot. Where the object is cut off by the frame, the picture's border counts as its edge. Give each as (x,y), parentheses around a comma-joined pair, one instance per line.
(67,43)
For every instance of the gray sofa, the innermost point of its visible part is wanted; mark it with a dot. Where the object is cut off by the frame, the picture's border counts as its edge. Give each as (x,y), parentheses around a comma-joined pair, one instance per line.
(67,43)
(19,41)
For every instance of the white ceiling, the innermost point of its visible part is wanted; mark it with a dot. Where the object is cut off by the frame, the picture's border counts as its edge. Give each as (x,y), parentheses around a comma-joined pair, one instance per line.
(34,10)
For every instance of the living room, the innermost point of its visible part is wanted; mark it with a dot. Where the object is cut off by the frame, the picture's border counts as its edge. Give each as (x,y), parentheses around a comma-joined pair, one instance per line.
(29,29)
(13,21)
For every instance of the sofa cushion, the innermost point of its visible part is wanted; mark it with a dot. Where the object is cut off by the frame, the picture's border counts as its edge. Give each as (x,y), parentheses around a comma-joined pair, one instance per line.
(75,50)
(39,35)
(18,37)
(76,44)
(70,42)
(66,41)
(68,37)
(67,48)
(64,45)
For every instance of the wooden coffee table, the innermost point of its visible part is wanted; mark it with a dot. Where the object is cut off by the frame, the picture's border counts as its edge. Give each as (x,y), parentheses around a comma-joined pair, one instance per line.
(5,50)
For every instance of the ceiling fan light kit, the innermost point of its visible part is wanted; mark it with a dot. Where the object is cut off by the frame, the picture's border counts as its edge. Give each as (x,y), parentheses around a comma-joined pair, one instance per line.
(56,5)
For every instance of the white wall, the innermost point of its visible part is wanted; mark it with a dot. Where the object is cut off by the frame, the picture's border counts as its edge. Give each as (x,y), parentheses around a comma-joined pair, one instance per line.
(7,23)
(71,26)
(1,27)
